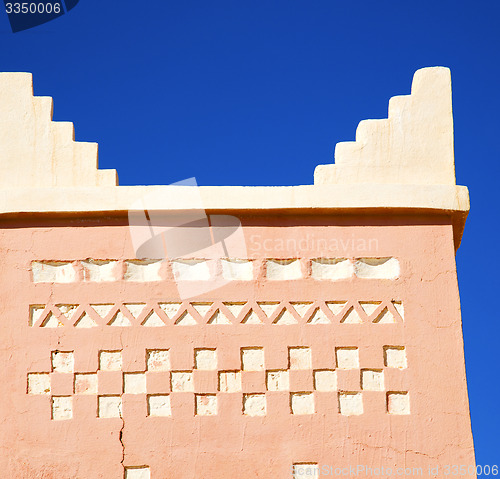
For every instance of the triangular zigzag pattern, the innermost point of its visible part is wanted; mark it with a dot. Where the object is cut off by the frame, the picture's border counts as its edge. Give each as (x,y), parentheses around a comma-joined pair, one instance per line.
(158,314)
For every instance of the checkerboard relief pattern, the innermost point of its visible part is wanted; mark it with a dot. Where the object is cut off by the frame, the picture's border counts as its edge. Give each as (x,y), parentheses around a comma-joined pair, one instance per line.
(250,383)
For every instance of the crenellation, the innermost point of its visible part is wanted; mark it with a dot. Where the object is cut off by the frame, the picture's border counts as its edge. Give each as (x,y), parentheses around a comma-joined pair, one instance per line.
(150,327)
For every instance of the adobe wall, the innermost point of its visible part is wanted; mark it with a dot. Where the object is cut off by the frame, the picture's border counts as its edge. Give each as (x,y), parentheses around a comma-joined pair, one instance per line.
(348,364)
(314,327)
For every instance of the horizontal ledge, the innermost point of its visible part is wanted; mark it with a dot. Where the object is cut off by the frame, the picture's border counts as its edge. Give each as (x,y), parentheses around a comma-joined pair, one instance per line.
(233,198)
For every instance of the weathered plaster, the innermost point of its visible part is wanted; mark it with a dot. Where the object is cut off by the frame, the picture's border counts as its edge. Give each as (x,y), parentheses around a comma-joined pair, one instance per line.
(304,356)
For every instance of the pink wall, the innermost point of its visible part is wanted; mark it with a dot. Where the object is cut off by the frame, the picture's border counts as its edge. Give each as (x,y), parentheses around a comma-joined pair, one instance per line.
(434,431)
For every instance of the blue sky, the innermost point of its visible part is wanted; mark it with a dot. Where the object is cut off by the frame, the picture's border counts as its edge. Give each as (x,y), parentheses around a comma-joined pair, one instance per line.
(258,93)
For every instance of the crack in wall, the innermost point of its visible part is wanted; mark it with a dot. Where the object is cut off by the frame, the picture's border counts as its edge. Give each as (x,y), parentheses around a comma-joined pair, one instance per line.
(120,436)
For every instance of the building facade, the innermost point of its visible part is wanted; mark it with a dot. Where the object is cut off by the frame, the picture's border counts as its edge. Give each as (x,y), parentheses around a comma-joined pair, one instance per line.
(219,332)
